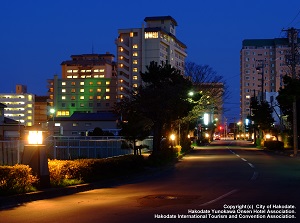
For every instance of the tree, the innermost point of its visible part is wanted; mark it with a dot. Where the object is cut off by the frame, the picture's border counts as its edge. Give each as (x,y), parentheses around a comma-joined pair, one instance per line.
(212,88)
(262,115)
(286,94)
(134,126)
(161,100)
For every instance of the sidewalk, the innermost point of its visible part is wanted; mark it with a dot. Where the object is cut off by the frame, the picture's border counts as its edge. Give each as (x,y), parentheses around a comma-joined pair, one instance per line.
(7,202)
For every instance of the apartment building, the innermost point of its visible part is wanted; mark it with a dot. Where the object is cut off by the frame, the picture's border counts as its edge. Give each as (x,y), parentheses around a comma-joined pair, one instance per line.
(88,84)
(40,111)
(136,47)
(19,106)
(262,67)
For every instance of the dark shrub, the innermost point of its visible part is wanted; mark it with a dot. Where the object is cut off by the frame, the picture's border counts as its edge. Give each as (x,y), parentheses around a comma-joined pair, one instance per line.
(274,145)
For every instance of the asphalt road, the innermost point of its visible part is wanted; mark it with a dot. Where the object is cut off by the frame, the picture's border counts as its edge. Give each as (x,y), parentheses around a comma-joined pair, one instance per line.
(227,181)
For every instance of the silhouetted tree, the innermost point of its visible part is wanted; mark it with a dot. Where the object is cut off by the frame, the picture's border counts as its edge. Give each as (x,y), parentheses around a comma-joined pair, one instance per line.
(161,100)
(262,115)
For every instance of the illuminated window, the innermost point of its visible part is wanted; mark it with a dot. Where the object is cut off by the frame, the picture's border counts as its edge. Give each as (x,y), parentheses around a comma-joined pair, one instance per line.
(62,113)
(91,97)
(81,83)
(121,88)
(88,70)
(135,62)
(98,97)
(81,104)
(135,46)
(81,90)
(75,124)
(98,83)
(75,71)
(151,35)
(107,89)
(121,57)
(82,71)
(98,89)
(107,82)
(135,85)
(101,70)
(131,34)
(135,54)
(63,90)
(91,90)
(121,49)
(69,71)
(81,97)
(135,77)
(29,117)
(73,90)
(91,83)
(75,76)
(63,83)
(135,69)
(63,97)
(29,105)
(69,76)
(72,97)
(107,97)
(73,83)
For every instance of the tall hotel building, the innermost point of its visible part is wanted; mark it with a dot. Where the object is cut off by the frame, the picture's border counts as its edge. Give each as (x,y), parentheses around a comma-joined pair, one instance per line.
(137,47)
(262,67)
(88,84)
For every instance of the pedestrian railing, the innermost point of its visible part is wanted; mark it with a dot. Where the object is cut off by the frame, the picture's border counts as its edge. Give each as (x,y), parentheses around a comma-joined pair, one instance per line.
(63,148)
(11,152)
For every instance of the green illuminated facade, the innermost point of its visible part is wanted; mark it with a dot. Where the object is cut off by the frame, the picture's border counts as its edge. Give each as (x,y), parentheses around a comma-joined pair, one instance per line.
(88,84)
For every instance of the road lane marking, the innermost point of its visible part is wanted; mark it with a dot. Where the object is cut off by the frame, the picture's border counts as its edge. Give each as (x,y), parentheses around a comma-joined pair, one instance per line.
(250,164)
(255,174)
(219,198)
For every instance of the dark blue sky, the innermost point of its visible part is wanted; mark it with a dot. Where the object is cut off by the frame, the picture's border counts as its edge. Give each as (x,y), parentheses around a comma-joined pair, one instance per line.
(36,36)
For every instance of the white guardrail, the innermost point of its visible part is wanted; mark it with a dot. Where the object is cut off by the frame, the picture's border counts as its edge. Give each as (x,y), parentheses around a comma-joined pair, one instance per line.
(64,148)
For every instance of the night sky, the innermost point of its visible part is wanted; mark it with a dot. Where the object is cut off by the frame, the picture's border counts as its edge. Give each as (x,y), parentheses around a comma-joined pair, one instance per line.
(36,36)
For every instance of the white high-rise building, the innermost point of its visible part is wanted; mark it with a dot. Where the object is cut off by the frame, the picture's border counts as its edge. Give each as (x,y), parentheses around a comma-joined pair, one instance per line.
(19,105)
(137,47)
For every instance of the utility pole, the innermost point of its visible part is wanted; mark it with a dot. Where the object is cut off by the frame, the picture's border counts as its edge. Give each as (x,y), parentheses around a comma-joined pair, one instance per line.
(292,59)
(262,67)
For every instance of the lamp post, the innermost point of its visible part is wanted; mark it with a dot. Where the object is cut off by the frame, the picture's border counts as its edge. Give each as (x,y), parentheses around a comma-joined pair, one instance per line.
(35,156)
(52,111)
(172,137)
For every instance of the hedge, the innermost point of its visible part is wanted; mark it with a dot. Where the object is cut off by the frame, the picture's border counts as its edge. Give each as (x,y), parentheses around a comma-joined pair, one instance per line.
(16,179)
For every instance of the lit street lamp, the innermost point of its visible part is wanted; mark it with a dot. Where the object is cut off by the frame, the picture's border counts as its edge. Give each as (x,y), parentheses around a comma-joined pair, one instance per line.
(35,156)
(52,112)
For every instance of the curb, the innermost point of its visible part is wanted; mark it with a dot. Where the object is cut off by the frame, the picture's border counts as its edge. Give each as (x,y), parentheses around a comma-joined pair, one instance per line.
(7,202)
